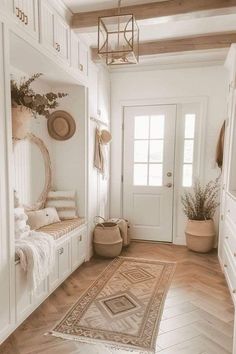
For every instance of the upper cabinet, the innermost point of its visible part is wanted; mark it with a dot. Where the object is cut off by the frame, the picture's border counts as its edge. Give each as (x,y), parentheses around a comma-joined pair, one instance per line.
(49,26)
(54,31)
(79,55)
(26,14)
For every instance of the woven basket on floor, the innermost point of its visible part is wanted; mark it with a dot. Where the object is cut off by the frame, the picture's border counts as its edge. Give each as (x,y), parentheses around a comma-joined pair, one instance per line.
(107,240)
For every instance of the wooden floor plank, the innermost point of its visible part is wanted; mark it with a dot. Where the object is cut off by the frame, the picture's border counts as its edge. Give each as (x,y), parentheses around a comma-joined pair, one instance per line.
(197,317)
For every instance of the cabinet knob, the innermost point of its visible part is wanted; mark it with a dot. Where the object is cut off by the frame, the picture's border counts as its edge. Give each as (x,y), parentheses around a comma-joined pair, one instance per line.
(61,251)
(225,265)
(234,254)
(81,67)
(234,291)
(226,237)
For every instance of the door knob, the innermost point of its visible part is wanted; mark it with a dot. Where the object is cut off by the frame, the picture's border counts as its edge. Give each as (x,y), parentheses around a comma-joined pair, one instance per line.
(169,174)
(169,185)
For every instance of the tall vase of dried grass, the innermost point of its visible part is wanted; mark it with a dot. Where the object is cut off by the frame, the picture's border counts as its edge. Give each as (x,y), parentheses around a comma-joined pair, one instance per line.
(199,206)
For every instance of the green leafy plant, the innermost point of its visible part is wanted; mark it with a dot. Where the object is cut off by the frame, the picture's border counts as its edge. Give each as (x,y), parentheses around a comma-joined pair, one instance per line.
(202,203)
(40,104)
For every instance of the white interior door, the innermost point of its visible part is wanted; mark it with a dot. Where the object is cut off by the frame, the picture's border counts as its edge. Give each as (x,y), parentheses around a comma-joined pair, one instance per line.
(149,149)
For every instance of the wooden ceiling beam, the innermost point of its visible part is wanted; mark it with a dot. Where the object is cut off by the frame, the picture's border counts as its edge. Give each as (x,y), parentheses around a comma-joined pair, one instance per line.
(170,10)
(175,45)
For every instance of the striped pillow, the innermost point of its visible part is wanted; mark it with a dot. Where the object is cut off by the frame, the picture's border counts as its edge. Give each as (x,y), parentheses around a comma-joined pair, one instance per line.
(64,202)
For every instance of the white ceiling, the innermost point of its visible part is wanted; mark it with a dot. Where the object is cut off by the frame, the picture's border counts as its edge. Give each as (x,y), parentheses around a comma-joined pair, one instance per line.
(93,5)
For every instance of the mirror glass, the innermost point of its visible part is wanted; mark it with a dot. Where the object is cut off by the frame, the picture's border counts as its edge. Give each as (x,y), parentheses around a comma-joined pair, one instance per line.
(31,175)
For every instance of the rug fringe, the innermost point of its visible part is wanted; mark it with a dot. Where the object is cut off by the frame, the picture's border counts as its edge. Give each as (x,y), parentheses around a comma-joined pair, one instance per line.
(112,345)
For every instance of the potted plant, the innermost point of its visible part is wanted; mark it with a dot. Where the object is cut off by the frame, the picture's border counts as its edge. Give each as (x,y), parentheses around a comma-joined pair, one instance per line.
(199,207)
(27,104)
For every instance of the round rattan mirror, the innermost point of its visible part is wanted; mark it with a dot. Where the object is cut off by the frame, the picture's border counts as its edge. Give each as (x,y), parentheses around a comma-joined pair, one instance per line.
(32,172)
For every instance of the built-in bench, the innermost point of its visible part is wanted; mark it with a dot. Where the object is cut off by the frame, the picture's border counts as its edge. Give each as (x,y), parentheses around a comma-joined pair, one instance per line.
(60,229)
(71,251)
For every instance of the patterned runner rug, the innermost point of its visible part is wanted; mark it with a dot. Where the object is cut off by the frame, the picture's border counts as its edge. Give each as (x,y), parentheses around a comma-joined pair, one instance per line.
(122,308)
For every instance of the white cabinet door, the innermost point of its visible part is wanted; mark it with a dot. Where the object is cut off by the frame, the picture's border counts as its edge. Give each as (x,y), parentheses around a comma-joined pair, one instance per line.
(24,298)
(47,18)
(54,277)
(62,35)
(78,249)
(82,246)
(74,50)
(83,58)
(64,260)
(62,265)
(30,16)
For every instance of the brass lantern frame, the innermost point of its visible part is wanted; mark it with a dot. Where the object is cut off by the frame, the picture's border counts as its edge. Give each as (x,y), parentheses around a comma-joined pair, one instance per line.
(127,55)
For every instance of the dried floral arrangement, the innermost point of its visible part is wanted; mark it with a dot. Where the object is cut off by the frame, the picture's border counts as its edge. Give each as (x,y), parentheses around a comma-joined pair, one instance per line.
(22,94)
(202,203)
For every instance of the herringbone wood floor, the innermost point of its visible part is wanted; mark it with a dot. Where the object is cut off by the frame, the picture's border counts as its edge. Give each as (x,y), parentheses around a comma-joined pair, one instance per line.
(197,318)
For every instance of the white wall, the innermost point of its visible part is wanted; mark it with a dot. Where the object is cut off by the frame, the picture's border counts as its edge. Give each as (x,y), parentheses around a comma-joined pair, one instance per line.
(99,107)
(175,85)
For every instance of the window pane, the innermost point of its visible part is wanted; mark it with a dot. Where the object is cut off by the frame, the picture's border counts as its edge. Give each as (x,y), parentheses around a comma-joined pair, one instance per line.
(157,127)
(187,175)
(141,151)
(140,174)
(156,150)
(188,151)
(189,126)
(141,127)
(155,175)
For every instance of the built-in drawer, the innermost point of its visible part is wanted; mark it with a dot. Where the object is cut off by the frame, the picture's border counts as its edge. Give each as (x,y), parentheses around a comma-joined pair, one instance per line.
(229,270)
(229,235)
(231,208)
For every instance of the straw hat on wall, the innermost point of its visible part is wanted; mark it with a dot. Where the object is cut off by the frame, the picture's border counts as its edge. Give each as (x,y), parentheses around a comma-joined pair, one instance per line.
(61,125)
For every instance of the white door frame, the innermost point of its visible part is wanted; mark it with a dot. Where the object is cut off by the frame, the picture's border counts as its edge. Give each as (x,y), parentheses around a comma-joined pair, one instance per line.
(178,101)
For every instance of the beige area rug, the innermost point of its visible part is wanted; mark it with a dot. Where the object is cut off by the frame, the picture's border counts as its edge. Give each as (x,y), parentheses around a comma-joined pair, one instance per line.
(122,308)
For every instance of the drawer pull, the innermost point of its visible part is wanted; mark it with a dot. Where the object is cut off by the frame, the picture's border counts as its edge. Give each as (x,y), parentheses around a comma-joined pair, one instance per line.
(234,291)
(20,15)
(26,21)
(81,67)
(17,12)
(80,238)
(61,251)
